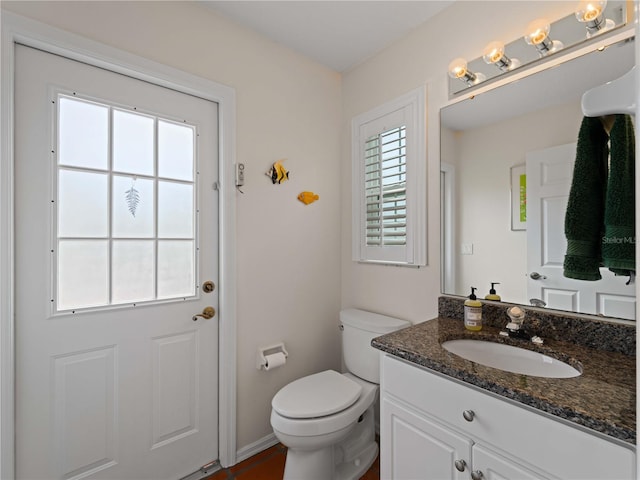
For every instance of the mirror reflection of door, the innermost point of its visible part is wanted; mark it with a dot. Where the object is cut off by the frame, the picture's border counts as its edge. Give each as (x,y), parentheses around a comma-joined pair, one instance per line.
(549,175)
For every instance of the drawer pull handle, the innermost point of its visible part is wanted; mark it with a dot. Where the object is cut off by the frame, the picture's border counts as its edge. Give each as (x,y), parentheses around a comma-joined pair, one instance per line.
(477,475)
(460,465)
(468,415)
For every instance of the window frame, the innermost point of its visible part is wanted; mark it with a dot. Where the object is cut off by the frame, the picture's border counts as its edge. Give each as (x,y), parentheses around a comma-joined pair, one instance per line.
(408,110)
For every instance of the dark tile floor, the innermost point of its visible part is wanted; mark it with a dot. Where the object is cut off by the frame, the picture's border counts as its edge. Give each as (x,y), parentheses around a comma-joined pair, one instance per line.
(269,465)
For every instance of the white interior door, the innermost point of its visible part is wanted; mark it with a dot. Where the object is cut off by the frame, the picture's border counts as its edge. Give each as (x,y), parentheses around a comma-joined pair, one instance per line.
(116,233)
(549,175)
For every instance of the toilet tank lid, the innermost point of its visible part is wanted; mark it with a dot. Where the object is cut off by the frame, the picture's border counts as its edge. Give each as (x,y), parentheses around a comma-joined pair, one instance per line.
(370,321)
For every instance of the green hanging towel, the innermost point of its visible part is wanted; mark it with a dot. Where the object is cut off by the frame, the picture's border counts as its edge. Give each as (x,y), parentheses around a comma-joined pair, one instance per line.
(584,218)
(619,241)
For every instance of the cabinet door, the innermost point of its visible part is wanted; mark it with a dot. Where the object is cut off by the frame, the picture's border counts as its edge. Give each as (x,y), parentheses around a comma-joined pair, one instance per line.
(415,448)
(497,467)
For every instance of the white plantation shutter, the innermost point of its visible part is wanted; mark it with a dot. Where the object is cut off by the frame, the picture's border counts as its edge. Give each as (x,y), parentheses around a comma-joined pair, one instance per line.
(386,188)
(389,184)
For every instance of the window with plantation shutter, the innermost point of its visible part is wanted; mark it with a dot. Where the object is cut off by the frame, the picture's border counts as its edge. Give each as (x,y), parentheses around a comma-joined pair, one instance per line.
(386,188)
(389,183)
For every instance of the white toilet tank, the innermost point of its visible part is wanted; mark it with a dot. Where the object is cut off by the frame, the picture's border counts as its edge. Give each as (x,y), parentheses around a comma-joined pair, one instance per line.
(359,327)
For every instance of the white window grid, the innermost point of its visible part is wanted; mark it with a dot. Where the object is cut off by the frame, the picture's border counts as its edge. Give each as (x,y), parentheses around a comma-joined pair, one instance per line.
(55,238)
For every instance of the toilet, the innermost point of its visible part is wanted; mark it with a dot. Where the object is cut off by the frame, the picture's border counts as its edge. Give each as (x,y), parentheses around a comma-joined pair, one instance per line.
(327,420)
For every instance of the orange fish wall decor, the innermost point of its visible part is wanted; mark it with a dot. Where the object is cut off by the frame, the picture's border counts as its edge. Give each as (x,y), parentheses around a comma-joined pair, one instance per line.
(308,197)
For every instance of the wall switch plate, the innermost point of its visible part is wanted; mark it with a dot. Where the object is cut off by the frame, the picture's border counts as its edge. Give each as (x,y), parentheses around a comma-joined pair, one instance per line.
(239,174)
(466,249)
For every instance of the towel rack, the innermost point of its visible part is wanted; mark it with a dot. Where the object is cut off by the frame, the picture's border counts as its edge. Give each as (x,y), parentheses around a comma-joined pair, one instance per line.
(616,96)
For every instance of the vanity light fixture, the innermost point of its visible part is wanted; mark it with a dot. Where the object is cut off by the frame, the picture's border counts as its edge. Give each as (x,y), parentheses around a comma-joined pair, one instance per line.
(569,29)
(538,36)
(590,12)
(458,69)
(494,54)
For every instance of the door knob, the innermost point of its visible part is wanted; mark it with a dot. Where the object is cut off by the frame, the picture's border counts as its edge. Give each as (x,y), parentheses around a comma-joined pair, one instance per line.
(537,276)
(207,313)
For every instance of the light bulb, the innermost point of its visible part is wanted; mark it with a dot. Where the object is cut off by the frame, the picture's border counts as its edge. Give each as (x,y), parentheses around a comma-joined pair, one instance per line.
(494,54)
(538,36)
(458,68)
(537,31)
(590,12)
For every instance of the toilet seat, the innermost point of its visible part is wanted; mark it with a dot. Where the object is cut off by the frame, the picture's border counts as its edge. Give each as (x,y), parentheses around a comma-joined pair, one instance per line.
(316,395)
(304,427)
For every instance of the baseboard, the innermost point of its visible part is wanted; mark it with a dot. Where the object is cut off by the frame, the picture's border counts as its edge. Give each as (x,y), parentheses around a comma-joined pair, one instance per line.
(256,447)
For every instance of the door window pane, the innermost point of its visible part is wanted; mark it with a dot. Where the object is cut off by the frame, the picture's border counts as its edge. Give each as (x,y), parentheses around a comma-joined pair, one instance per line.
(132,143)
(176,272)
(83,277)
(132,271)
(82,204)
(83,132)
(175,150)
(132,207)
(175,210)
(123,235)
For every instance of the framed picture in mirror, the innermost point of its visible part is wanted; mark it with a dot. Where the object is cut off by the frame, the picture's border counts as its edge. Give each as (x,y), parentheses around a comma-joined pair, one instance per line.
(518,198)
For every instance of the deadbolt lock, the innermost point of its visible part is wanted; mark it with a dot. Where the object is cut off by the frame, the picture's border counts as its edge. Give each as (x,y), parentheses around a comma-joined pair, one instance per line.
(208,286)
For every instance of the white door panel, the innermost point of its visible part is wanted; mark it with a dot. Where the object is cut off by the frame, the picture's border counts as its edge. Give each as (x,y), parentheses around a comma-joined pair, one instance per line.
(549,175)
(126,391)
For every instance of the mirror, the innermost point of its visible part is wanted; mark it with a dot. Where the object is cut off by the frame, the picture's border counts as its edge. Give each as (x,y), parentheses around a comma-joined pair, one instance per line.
(496,228)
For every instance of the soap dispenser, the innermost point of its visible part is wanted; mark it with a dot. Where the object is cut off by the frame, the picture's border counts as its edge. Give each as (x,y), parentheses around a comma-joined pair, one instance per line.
(492,293)
(473,312)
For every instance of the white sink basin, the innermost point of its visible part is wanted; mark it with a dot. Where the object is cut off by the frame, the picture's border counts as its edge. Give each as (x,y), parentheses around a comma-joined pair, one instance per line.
(510,359)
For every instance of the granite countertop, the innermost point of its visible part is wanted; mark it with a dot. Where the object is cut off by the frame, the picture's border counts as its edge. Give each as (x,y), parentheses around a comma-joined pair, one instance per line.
(603,398)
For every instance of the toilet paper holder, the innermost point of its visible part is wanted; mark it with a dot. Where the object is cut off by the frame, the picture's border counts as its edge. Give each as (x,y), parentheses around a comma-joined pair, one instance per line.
(263,352)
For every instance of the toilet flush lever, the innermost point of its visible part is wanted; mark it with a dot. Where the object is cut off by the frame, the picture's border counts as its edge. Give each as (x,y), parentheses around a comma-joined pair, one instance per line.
(207,313)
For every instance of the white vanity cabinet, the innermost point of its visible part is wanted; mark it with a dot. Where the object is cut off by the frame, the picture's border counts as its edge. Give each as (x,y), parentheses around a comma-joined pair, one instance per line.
(432,427)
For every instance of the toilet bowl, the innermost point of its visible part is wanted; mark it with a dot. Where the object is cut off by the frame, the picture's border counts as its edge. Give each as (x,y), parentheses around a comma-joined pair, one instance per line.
(326,420)
(312,434)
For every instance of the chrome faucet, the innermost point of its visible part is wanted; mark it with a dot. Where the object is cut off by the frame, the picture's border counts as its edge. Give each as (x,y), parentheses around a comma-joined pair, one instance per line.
(516,320)
(515,328)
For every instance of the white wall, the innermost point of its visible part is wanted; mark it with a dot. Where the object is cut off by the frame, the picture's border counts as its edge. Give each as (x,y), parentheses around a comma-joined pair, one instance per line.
(287,107)
(420,58)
